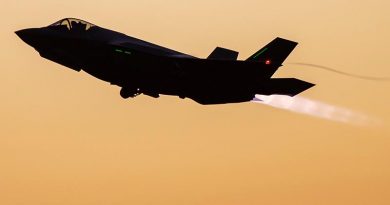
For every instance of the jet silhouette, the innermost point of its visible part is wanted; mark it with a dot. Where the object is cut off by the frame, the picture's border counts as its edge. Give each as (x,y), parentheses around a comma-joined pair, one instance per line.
(140,67)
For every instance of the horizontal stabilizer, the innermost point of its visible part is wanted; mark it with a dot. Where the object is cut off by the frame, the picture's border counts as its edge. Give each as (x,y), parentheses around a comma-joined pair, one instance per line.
(223,54)
(275,52)
(283,86)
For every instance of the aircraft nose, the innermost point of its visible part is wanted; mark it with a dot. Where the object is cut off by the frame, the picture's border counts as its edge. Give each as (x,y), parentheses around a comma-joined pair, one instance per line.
(29,36)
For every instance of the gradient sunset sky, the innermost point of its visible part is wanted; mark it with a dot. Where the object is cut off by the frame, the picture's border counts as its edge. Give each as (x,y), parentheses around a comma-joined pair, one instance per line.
(67,138)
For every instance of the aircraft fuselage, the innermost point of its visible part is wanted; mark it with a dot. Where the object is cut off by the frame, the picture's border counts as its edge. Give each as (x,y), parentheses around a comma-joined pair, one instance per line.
(140,67)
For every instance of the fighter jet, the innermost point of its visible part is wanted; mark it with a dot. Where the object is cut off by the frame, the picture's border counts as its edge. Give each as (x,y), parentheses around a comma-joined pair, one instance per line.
(140,67)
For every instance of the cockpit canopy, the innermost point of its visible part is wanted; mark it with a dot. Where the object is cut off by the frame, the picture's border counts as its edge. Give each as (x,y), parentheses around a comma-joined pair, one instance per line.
(73,24)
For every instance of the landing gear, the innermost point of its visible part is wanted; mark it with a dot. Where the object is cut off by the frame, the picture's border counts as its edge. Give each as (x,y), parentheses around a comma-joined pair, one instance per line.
(129,92)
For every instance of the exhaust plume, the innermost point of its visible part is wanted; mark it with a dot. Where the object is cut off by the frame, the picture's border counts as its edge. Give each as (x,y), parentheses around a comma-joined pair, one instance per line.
(317,109)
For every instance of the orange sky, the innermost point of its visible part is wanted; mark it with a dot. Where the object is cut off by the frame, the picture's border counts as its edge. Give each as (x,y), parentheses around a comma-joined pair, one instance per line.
(68,138)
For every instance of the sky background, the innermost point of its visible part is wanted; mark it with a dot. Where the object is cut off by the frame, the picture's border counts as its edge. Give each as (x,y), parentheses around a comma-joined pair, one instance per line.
(68,138)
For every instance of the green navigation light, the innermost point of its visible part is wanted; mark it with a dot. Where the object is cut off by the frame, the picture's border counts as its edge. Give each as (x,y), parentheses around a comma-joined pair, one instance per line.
(259,53)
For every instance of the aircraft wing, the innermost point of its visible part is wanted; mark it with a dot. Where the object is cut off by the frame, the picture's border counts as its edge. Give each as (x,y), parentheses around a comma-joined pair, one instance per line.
(132,44)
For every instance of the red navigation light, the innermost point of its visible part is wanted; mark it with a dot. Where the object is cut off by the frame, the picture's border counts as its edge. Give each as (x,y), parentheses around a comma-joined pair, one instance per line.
(268,62)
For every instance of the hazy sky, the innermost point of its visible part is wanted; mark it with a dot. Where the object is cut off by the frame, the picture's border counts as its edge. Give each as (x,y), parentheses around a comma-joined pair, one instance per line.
(68,138)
